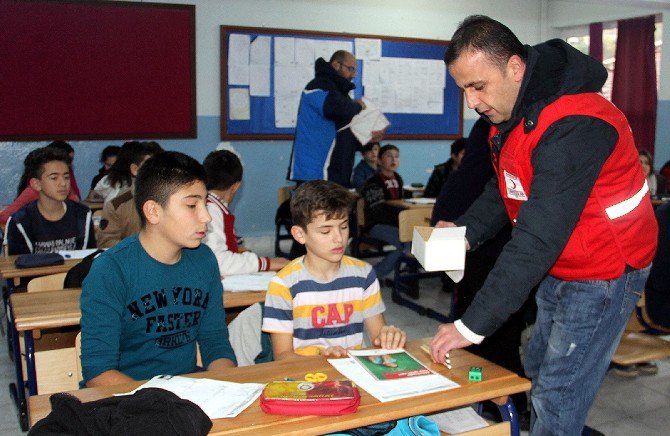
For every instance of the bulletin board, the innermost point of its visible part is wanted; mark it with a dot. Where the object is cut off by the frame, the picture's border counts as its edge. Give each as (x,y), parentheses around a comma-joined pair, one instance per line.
(96,70)
(257,121)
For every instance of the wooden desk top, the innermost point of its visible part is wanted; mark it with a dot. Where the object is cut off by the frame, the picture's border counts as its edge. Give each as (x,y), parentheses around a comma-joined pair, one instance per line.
(94,205)
(402,204)
(8,269)
(497,382)
(53,309)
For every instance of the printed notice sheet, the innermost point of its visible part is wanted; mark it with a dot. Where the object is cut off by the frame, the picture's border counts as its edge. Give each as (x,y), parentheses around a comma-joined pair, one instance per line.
(218,399)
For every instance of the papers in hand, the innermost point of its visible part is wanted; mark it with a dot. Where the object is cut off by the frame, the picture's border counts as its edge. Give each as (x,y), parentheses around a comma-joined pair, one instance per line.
(218,399)
(367,121)
(248,282)
(389,390)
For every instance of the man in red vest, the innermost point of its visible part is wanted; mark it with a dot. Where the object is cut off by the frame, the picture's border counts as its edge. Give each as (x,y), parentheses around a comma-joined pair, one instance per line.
(569,180)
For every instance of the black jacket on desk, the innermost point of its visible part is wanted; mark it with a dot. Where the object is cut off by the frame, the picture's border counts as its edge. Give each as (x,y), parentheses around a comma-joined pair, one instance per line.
(567,162)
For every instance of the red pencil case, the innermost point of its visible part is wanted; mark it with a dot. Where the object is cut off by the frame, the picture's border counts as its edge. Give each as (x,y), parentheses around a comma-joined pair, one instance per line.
(299,398)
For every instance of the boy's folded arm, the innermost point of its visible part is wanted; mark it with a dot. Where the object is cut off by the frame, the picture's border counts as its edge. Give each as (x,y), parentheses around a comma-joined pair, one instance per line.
(109,377)
(221,363)
(282,346)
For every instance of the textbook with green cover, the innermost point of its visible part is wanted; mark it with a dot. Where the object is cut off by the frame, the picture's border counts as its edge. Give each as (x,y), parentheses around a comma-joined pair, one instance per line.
(389,364)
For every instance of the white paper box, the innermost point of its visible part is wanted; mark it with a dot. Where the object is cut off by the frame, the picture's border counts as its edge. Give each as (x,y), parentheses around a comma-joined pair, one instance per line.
(440,249)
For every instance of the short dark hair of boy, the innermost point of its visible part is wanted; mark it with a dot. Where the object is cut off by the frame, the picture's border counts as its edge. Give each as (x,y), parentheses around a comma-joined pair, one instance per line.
(66,147)
(223,169)
(37,159)
(31,167)
(319,196)
(386,148)
(162,175)
(109,151)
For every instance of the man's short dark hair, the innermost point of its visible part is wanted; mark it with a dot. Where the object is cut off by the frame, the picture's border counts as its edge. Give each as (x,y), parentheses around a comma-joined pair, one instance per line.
(223,169)
(38,158)
(481,33)
(164,174)
(339,56)
(458,145)
(387,147)
(317,197)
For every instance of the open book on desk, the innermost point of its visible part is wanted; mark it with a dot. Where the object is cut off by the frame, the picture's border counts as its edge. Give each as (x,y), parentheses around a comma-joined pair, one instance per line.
(389,390)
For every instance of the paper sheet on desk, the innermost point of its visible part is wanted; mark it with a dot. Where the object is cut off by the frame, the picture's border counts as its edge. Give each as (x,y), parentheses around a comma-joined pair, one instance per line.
(389,390)
(367,121)
(76,254)
(217,398)
(248,282)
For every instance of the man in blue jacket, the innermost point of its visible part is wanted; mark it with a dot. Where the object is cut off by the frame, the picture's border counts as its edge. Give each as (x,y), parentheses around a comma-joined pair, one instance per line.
(321,151)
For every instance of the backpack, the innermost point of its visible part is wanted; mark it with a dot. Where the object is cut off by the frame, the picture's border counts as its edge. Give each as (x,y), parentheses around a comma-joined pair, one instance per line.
(75,277)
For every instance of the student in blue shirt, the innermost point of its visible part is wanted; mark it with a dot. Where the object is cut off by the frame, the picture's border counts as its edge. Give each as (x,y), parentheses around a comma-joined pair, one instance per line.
(148,300)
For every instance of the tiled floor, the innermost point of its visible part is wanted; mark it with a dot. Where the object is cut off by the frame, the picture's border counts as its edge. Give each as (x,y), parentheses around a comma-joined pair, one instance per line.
(626,407)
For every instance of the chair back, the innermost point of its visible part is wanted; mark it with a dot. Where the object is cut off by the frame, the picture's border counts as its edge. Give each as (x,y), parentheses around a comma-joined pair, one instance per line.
(360,213)
(53,282)
(284,193)
(409,218)
(77,350)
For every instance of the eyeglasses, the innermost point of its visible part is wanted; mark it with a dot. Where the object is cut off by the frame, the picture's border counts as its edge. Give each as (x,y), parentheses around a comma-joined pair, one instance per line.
(350,69)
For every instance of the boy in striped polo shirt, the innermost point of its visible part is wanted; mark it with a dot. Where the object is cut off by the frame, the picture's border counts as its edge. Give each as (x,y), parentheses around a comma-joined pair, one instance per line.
(320,303)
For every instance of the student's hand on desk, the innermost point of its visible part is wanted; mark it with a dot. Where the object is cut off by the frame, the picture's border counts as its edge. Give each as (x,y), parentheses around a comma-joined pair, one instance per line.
(442,224)
(277,263)
(446,339)
(390,337)
(336,351)
(361,103)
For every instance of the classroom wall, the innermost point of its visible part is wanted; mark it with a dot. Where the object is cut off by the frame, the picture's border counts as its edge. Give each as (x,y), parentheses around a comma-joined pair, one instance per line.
(266,161)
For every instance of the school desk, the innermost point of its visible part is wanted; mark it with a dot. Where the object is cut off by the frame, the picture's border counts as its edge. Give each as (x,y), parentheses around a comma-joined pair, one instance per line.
(13,275)
(36,311)
(497,383)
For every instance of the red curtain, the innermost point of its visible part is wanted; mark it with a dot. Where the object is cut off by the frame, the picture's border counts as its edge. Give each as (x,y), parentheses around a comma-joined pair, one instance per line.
(596,41)
(634,84)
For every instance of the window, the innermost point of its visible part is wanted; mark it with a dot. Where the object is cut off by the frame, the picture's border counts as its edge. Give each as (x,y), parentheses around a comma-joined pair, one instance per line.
(579,38)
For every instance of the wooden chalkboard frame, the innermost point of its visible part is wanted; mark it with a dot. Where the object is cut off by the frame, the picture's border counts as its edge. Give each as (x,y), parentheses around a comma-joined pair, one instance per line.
(227,135)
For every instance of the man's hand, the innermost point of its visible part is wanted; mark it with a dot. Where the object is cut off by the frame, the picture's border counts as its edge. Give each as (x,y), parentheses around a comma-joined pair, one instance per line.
(377,136)
(336,351)
(390,337)
(446,339)
(442,224)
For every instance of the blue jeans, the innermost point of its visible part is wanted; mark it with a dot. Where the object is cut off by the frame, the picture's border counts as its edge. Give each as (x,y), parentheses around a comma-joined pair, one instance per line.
(578,327)
(388,234)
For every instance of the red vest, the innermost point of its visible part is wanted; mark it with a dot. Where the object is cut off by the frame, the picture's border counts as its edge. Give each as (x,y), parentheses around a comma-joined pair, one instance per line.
(617,226)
